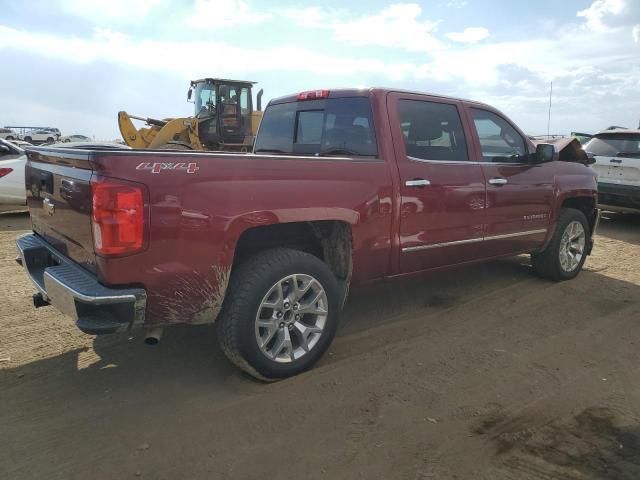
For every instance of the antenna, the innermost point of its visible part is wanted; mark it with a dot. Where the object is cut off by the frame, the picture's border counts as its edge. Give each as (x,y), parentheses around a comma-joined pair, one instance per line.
(549,120)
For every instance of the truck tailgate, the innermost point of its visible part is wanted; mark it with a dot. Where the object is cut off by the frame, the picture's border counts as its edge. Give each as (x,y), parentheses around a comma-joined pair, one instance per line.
(58,183)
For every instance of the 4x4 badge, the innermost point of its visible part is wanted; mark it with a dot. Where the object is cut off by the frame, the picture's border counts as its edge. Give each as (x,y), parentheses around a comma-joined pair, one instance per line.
(157,167)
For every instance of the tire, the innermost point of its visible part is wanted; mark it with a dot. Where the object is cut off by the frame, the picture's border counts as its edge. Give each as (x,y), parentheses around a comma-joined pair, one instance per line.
(27,139)
(244,311)
(559,260)
(66,140)
(49,139)
(10,138)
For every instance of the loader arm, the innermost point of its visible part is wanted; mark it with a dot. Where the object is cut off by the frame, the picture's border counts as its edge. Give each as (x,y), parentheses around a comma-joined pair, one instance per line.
(131,135)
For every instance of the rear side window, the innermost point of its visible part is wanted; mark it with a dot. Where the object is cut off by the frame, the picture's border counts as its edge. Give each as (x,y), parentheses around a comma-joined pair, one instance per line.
(500,142)
(335,126)
(615,145)
(432,131)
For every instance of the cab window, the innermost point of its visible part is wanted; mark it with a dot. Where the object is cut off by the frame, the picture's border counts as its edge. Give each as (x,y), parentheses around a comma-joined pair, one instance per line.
(500,142)
(432,131)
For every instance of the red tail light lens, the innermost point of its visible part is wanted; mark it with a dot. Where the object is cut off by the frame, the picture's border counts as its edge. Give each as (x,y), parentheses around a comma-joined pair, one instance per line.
(118,217)
(5,171)
(313,95)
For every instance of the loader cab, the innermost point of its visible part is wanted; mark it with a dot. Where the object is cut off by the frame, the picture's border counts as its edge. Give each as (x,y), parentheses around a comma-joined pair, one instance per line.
(224,111)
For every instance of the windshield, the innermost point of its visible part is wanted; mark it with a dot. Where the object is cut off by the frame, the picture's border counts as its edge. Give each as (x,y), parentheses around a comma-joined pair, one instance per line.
(611,145)
(205,99)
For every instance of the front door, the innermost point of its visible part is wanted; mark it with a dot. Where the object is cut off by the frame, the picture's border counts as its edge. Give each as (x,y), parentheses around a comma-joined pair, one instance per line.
(519,192)
(442,191)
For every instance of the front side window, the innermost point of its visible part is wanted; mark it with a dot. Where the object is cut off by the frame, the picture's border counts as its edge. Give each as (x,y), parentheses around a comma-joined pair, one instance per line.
(335,126)
(500,142)
(432,131)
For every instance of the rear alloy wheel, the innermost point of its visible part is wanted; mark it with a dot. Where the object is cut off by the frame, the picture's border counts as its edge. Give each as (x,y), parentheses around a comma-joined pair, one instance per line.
(27,139)
(49,139)
(280,313)
(565,255)
(291,318)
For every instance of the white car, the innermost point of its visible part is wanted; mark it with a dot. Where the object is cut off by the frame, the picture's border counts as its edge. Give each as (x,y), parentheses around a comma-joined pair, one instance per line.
(46,135)
(12,185)
(617,156)
(8,134)
(75,138)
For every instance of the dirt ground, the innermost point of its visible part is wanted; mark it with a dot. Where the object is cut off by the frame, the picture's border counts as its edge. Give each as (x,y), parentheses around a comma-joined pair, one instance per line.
(481,373)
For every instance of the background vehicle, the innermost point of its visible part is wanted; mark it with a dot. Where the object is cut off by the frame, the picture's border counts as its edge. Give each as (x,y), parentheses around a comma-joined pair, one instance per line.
(224,119)
(12,162)
(76,138)
(45,135)
(617,155)
(20,143)
(8,134)
(345,187)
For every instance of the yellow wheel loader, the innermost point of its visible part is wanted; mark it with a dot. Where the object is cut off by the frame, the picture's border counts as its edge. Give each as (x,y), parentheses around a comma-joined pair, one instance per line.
(224,119)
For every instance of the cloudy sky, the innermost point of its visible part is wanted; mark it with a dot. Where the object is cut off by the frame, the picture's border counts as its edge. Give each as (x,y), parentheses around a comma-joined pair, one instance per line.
(74,64)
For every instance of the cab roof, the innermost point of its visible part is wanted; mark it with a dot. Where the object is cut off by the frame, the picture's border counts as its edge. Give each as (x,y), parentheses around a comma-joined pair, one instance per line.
(365,92)
(222,80)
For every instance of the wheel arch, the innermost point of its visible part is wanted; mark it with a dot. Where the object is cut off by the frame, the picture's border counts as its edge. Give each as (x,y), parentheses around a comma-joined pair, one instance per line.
(329,240)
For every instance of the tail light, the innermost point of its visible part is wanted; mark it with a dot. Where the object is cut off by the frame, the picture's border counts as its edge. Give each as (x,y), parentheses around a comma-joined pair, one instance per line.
(313,95)
(118,217)
(5,171)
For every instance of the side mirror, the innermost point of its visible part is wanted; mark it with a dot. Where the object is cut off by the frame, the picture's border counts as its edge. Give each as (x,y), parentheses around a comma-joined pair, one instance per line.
(189,93)
(545,152)
(591,158)
(5,149)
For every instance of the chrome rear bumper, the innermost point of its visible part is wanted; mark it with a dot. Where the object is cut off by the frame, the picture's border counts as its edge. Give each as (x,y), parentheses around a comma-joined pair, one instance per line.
(77,293)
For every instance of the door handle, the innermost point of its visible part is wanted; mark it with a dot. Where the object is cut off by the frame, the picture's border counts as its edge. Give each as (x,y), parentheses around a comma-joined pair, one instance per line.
(498,181)
(417,182)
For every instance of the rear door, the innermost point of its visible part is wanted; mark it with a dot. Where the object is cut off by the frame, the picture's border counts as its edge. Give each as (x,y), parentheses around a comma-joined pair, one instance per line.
(442,190)
(519,193)
(59,200)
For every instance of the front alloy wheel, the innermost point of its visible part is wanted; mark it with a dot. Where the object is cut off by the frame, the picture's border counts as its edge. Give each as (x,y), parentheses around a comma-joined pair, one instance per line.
(572,246)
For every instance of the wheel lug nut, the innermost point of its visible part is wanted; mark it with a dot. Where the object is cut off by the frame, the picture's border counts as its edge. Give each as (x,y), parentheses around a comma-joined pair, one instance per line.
(286,305)
(279,314)
(297,317)
(282,325)
(290,327)
(296,306)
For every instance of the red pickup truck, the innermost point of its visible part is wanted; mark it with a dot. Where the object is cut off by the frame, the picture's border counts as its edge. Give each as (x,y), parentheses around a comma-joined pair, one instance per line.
(344,187)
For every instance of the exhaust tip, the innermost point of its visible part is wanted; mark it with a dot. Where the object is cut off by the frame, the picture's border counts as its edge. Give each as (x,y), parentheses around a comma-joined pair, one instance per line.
(153,336)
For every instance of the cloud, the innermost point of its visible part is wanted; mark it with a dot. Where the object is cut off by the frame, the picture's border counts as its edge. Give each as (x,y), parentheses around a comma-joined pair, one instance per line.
(396,26)
(457,3)
(212,14)
(635,33)
(469,35)
(100,10)
(598,10)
